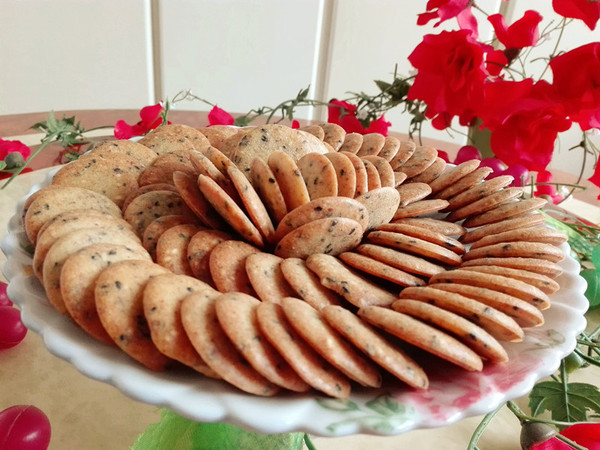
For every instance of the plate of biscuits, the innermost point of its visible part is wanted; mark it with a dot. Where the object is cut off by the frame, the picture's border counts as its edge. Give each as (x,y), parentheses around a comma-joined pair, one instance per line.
(289,280)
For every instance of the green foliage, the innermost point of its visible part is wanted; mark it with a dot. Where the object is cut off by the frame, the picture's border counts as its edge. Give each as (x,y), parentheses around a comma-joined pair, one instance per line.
(592,276)
(65,131)
(178,433)
(567,402)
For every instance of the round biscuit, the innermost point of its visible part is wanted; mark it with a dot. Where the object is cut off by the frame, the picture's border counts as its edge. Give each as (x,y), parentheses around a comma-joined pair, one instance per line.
(469,333)
(78,277)
(356,289)
(50,201)
(344,170)
(309,324)
(330,235)
(307,363)
(199,319)
(323,208)
(118,294)
(424,336)
(380,350)
(307,285)
(236,313)
(266,277)
(162,300)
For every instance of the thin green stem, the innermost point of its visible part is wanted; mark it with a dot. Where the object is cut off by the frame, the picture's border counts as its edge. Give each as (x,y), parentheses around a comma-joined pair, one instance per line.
(481,427)
(561,28)
(564,376)
(570,443)
(308,442)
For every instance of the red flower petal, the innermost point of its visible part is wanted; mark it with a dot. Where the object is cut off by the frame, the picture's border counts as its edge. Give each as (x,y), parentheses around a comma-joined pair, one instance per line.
(149,116)
(579,90)
(344,114)
(218,116)
(150,119)
(123,130)
(585,434)
(444,9)
(7,147)
(495,61)
(467,21)
(295,124)
(586,10)
(523,33)
(451,75)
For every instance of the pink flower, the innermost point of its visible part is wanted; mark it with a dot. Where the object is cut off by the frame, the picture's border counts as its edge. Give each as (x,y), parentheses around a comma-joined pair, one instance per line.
(7,147)
(150,119)
(218,116)
(586,10)
(585,434)
(579,90)
(448,9)
(523,33)
(451,75)
(344,114)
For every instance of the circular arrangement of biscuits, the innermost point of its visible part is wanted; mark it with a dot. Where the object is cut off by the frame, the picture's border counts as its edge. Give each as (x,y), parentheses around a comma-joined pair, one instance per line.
(281,259)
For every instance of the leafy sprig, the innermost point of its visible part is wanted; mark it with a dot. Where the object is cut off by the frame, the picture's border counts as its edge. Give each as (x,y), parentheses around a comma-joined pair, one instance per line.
(369,107)
(67,132)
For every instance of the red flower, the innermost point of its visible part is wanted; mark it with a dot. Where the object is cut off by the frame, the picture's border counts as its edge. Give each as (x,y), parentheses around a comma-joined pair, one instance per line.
(448,9)
(579,90)
(586,10)
(218,116)
(524,120)
(451,75)
(523,33)
(344,114)
(7,147)
(585,434)
(150,119)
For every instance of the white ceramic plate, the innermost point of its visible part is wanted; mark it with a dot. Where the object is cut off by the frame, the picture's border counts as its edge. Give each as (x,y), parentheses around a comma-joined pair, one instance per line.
(453,394)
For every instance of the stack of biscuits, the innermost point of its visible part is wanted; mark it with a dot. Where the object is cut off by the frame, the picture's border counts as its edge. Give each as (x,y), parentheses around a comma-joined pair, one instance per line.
(280,259)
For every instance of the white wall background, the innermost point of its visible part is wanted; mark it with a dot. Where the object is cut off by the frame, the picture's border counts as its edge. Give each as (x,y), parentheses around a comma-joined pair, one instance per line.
(241,54)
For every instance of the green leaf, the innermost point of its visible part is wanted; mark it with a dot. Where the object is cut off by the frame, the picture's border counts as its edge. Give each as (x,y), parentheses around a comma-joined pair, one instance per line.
(303,94)
(596,257)
(383,85)
(577,240)
(176,432)
(242,121)
(565,405)
(592,276)
(2,165)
